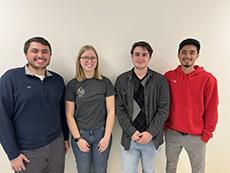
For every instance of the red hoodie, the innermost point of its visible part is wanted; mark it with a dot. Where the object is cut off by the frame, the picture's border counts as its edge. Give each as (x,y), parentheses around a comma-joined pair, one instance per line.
(194,101)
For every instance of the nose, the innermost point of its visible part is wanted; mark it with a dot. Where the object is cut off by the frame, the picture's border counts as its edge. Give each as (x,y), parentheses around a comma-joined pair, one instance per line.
(90,59)
(39,54)
(140,57)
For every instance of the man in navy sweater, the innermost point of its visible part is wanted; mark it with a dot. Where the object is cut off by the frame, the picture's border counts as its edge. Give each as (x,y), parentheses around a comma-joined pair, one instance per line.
(33,129)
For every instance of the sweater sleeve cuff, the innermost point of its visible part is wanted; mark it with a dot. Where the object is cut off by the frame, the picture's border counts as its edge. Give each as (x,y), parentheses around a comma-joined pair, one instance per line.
(12,156)
(205,138)
(132,131)
(66,135)
(152,131)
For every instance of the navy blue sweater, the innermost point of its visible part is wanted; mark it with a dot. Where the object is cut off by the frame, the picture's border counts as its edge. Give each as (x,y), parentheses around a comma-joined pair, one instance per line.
(31,111)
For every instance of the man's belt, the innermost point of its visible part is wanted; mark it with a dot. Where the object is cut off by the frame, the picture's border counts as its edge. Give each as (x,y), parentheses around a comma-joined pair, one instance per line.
(183,134)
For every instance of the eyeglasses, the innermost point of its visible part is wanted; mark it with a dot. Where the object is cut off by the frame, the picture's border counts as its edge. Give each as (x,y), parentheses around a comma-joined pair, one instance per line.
(87,58)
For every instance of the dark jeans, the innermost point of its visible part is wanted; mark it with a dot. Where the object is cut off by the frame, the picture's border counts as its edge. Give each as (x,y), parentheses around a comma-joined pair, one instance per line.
(92,161)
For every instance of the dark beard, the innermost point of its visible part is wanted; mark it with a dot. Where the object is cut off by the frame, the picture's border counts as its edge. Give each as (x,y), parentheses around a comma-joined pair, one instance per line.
(187,65)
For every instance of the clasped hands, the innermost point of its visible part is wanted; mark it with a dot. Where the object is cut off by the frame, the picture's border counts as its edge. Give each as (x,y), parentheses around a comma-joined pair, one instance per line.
(142,138)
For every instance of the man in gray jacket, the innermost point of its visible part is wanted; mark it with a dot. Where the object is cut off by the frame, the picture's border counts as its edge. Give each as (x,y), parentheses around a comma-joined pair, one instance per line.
(142,104)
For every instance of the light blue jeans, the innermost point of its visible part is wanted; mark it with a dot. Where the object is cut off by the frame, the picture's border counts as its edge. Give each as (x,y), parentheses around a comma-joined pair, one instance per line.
(146,153)
(92,161)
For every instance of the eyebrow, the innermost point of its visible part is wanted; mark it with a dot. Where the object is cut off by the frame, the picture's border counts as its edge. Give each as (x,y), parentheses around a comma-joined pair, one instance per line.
(34,48)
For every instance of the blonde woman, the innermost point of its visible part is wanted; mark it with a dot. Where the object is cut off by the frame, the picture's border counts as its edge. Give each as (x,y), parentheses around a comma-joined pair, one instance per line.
(90,113)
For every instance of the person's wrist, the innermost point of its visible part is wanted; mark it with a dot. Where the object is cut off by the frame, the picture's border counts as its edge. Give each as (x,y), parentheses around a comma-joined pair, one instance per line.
(107,137)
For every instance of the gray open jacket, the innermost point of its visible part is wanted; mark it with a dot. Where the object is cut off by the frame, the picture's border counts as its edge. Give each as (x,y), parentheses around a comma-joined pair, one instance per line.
(156,93)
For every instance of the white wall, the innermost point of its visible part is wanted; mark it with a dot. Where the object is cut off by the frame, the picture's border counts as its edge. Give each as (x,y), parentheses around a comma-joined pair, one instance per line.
(112,27)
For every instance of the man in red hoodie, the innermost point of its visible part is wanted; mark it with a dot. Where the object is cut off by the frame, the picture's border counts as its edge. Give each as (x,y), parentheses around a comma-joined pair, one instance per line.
(193,109)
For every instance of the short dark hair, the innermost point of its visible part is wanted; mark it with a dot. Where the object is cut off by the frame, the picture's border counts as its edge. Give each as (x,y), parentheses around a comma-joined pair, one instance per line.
(36,39)
(142,44)
(190,41)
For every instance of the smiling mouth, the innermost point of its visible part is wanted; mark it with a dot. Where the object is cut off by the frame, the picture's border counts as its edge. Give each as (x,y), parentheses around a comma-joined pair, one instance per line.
(187,59)
(40,60)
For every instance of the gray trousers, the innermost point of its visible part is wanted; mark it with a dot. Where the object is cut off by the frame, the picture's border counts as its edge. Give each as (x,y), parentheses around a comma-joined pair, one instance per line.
(194,147)
(48,159)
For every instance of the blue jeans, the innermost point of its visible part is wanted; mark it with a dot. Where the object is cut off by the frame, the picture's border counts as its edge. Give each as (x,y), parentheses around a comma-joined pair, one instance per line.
(92,161)
(144,152)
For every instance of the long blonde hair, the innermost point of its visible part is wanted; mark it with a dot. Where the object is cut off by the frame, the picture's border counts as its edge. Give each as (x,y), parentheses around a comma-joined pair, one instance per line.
(80,75)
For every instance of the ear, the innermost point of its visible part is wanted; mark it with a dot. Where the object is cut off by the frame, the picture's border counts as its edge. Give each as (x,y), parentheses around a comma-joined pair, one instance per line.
(197,56)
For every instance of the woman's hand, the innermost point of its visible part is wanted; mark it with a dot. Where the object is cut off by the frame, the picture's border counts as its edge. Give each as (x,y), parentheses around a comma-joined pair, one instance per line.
(83,145)
(103,144)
